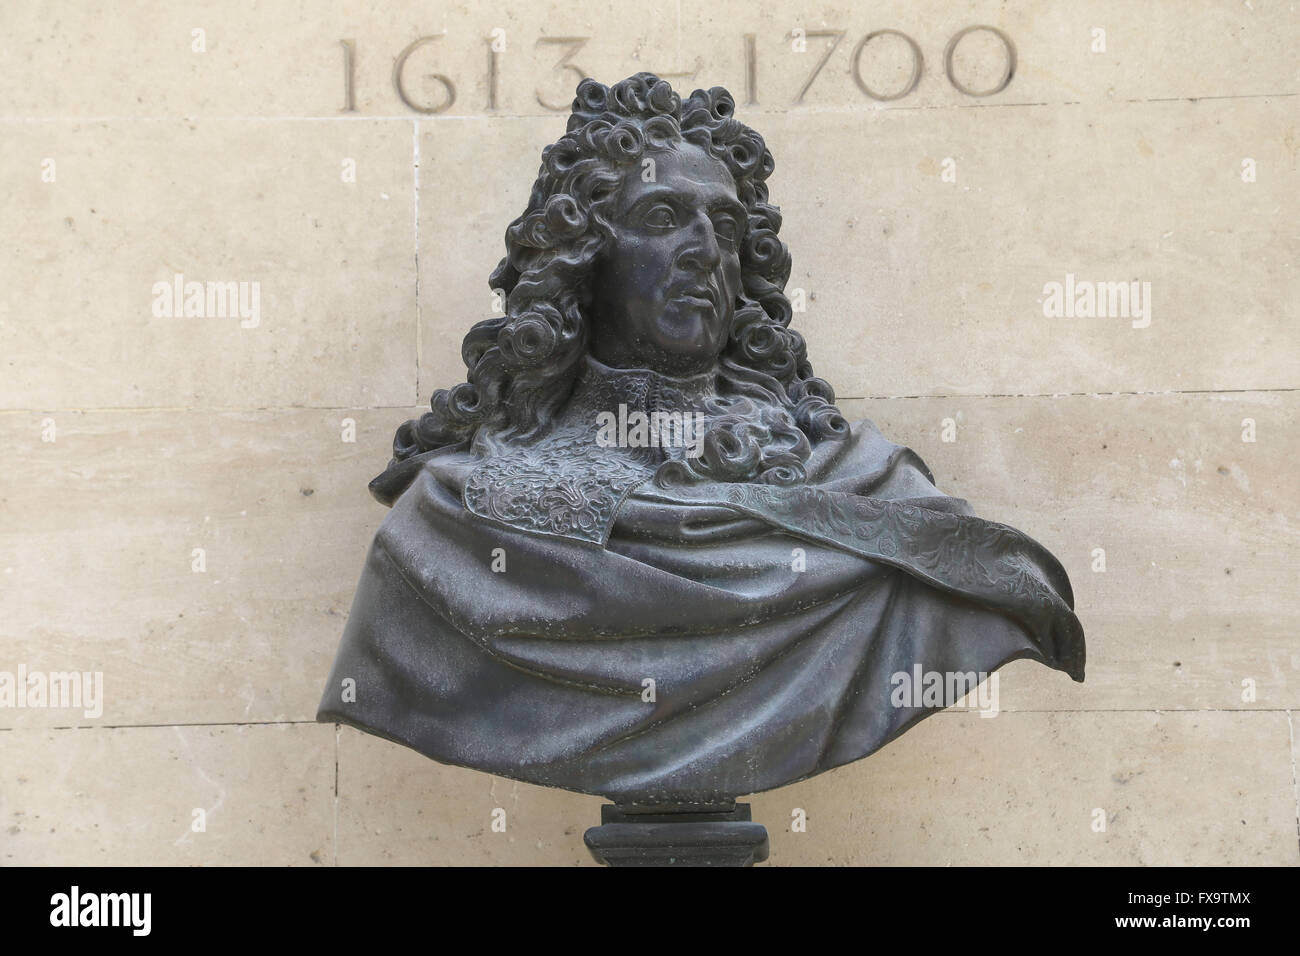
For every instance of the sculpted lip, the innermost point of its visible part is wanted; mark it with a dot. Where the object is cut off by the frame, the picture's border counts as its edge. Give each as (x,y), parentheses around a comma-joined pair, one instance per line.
(697,294)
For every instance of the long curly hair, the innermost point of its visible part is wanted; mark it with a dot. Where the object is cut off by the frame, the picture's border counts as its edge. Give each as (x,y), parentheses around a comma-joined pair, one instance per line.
(523,365)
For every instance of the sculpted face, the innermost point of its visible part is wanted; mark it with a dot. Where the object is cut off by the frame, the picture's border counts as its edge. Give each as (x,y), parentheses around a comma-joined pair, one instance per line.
(664,290)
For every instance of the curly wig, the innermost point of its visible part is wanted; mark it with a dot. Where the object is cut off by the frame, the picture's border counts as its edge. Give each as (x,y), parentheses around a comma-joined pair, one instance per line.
(522,365)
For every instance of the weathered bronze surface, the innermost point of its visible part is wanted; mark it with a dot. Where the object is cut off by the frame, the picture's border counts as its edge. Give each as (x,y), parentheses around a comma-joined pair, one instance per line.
(639,552)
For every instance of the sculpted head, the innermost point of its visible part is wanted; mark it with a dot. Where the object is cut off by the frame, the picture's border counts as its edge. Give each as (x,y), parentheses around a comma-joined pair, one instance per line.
(664,287)
(648,242)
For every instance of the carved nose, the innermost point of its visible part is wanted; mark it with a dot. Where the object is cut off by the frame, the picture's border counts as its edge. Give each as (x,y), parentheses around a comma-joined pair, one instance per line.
(703,254)
(700,258)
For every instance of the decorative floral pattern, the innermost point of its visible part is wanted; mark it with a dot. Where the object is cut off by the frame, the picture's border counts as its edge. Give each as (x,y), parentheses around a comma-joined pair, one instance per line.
(567,485)
(560,488)
(982,560)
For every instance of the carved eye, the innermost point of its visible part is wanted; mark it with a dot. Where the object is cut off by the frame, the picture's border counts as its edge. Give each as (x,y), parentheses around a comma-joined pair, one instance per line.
(661,217)
(727,229)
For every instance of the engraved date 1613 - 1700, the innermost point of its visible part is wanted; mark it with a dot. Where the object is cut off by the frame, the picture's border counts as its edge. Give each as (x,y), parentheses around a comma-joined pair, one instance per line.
(440,90)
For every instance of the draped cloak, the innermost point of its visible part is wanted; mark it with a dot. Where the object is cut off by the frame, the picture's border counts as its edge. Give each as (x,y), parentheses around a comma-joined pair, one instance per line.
(552,614)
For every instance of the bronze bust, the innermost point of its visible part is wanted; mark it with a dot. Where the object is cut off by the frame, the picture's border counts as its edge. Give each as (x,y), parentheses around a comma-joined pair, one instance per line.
(639,552)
